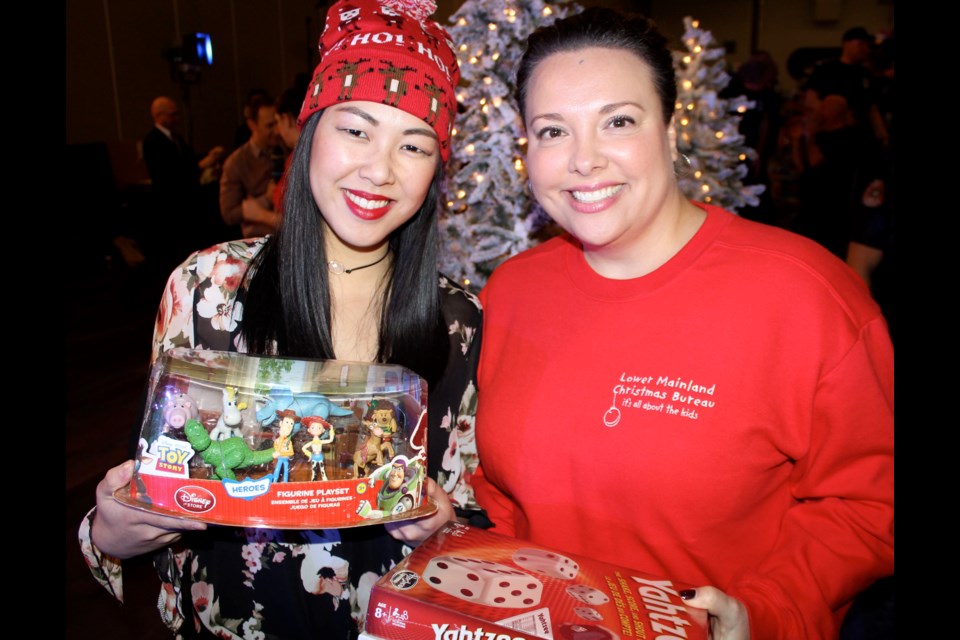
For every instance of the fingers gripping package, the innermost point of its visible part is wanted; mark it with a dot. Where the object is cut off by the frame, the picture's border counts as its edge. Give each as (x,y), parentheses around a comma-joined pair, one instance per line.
(465,583)
(246,440)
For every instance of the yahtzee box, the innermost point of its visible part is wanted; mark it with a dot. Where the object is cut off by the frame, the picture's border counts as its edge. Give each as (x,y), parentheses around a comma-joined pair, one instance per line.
(465,583)
(243,440)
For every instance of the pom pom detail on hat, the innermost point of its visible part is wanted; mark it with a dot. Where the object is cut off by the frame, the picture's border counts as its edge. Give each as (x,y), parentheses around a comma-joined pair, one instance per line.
(387,51)
(418,10)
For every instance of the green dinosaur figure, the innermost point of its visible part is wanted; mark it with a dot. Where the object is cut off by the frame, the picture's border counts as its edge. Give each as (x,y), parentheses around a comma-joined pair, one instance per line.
(224,455)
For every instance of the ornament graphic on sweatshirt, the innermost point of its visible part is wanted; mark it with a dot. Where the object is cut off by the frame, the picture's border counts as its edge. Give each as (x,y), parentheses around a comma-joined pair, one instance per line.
(612,416)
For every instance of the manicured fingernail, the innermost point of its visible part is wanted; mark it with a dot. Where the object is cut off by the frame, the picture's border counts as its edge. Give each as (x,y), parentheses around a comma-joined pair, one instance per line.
(687,594)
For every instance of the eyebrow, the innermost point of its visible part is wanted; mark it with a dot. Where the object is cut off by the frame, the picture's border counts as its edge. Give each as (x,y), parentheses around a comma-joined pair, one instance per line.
(369,118)
(606,109)
(617,105)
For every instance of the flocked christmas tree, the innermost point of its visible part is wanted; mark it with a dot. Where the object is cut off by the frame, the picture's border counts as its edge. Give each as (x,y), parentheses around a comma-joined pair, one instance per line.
(707,125)
(489,214)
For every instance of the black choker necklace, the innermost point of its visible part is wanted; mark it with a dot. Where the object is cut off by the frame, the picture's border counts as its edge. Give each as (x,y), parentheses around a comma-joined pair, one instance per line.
(337,268)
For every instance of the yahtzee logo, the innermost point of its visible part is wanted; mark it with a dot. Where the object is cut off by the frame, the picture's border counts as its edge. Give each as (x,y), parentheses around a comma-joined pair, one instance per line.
(194,499)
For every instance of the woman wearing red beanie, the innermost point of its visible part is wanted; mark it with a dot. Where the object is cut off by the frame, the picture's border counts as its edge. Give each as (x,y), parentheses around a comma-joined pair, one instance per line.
(351,274)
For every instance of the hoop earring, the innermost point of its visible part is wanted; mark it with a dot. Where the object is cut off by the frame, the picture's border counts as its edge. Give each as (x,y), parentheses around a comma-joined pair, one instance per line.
(681,165)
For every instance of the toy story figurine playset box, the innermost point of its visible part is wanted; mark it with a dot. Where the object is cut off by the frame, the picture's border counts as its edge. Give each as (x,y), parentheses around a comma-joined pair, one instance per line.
(255,441)
(469,583)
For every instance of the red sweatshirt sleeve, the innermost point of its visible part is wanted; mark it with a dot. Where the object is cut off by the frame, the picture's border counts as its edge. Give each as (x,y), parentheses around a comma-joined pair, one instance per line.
(839,538)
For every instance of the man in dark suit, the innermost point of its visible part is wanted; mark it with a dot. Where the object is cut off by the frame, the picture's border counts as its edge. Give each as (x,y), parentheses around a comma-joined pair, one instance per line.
(171,163)
(183,206)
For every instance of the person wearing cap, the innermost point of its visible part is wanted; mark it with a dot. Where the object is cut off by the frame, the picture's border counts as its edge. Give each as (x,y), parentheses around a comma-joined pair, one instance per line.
(848,76)
(313,450)
(351,274)
(283,444)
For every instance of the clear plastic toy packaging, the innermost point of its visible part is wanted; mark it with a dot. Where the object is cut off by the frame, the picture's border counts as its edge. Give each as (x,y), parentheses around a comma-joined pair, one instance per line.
(243,440)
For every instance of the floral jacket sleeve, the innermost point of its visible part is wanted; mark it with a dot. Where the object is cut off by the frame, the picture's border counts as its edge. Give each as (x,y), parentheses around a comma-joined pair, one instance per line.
(227,588)
(199,308)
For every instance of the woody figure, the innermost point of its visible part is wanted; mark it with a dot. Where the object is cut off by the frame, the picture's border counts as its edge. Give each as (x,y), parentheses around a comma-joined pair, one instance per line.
(283,445)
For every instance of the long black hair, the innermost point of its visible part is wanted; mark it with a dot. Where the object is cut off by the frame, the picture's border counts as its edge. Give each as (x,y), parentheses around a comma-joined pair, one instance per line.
(608,29)
(287,306)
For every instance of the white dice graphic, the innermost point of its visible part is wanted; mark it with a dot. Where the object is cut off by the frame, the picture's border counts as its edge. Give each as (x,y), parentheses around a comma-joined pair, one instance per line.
(546,562)
(483,582)
(587,595)
(588,614)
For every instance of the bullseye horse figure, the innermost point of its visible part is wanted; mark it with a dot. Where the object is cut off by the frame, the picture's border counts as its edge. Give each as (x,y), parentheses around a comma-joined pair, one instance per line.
(381,423)
(370,452)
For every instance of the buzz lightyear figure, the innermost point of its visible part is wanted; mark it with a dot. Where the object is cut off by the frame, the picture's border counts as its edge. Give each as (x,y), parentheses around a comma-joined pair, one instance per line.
(404,480)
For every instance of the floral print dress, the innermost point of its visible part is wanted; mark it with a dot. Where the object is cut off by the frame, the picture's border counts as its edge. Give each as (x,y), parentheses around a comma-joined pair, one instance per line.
(261,584)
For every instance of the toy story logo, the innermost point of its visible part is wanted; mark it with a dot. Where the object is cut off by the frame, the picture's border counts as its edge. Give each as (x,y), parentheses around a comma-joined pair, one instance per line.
(166,457)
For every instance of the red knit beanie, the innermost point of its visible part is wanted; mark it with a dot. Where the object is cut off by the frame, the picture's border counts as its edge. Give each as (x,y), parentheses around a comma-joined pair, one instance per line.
(387,51)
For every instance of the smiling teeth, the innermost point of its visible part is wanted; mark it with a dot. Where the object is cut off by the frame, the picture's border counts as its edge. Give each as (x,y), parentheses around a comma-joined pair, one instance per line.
(366,204)
(588,197)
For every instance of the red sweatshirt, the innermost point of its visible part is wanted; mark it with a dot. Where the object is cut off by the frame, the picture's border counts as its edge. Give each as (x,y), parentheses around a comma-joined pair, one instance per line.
(726,420)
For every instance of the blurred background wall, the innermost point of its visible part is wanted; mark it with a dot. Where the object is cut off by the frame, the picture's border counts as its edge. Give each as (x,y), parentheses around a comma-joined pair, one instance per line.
(115,64)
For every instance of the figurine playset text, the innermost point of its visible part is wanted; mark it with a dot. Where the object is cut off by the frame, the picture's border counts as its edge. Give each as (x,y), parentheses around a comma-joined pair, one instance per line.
(465,582)
(246,440)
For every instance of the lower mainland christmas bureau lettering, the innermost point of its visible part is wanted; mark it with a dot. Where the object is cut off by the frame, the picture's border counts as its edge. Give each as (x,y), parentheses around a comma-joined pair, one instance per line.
(465,583)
